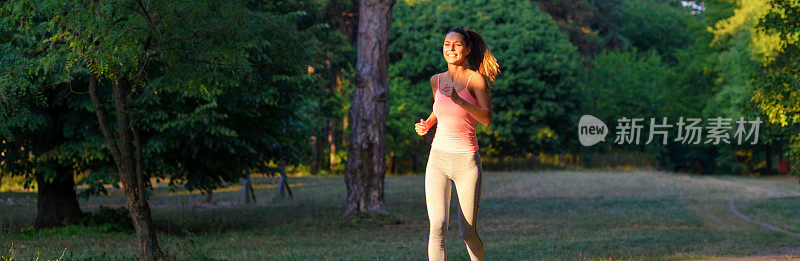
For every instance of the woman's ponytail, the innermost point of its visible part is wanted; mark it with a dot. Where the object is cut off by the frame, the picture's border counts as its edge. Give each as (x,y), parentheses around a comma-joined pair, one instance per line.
(480,58)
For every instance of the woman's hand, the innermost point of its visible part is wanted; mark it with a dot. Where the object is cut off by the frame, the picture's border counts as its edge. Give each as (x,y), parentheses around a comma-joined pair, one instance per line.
(482,112)
(450,91)
(422,127)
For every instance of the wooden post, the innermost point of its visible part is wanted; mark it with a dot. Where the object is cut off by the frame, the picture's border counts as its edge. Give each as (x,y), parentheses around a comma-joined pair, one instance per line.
(246,194)
(284,183)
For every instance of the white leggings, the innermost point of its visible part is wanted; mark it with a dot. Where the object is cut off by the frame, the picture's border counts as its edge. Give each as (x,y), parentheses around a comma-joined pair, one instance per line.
(464,169)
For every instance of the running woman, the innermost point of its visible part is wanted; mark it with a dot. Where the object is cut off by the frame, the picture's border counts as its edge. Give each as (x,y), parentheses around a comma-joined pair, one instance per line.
(461,98)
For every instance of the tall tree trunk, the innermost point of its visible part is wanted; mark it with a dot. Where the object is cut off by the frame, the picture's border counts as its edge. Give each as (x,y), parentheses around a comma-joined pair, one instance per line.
(57,204)
(334,87)
(768,149)
(332,143)
(392,163)
(320,146)
(350,27)
(128,159)
(366,163)
(314,155)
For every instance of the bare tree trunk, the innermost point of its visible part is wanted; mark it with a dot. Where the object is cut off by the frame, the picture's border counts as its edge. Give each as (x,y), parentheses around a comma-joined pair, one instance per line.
(332,143)
(768,149)
(345,125)
(392,162)
(314,155)
(127,157)
(350,27)
(57,204)
(366,163)
(334,87)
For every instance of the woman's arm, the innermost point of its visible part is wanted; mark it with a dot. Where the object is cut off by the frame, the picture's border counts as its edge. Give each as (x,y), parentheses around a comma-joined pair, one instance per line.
(483,112)
(431,120)
(423,126)
(434,87)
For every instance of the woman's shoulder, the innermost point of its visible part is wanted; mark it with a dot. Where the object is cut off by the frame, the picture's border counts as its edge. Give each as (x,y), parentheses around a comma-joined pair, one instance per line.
(475,82)
(435,78)
(473,76)
(473,73)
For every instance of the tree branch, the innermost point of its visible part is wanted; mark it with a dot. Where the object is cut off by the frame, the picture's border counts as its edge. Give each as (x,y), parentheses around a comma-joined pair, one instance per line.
(101,118)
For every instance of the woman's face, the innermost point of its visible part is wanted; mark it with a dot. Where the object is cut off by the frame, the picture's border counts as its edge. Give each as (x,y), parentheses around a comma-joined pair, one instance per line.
(455,48)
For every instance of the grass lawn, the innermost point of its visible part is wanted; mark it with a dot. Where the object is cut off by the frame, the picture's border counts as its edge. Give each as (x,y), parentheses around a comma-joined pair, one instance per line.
(523,216)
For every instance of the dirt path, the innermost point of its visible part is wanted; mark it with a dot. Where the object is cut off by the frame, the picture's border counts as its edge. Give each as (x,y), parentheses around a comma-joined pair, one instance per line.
(732,208)
(759,258)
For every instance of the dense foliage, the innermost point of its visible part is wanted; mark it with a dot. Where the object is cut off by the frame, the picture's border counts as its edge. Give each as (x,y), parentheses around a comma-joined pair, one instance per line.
(287,66)
(211,102)
(778,90)
(535,99)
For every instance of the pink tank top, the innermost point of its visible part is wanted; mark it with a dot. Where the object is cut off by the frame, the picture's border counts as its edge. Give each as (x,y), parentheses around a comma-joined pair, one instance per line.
(456,128)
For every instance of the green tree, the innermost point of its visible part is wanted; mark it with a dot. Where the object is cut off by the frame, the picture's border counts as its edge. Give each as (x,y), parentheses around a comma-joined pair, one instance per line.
(590,24)
(777,92)
(212,86)
(628,84)
(739,50)
(252,124)
(655,25)
(712,82)
(47,130)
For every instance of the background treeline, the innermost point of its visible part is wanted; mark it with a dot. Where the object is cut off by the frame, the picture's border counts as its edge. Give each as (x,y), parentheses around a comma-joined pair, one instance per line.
(275,87)
(562,59)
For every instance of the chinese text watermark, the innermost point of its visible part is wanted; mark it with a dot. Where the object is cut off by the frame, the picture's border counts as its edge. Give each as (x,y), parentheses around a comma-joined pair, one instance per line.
(592,130)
